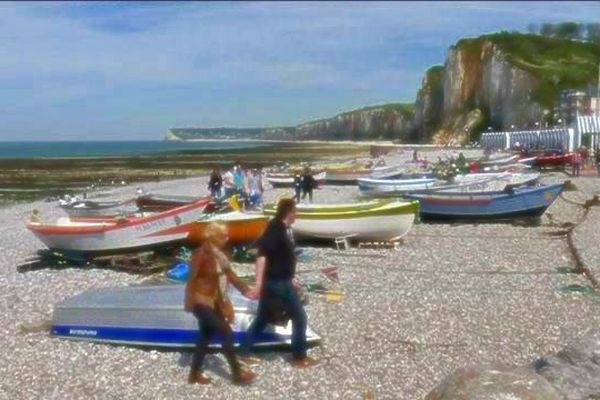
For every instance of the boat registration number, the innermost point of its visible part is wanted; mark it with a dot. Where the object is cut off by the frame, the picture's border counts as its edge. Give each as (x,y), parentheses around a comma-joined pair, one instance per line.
(151,225)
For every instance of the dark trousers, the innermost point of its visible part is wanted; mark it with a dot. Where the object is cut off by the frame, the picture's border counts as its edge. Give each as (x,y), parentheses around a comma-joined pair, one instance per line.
(209,323)
(576,169)
(297,194)
(283,290)
(309,192)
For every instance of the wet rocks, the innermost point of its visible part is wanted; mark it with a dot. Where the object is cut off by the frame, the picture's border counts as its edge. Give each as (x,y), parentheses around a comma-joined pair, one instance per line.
(494,383)
(575,370)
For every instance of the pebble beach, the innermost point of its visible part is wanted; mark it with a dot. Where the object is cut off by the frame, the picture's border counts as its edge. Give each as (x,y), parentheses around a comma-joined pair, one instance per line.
(450,295)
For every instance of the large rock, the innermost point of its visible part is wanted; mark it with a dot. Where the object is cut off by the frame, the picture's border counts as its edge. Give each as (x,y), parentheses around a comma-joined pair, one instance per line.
(575,370)
(494,383)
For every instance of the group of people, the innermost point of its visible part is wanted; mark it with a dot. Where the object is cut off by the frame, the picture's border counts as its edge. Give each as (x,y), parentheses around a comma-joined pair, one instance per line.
(275,288)
(582,158)
(246,184)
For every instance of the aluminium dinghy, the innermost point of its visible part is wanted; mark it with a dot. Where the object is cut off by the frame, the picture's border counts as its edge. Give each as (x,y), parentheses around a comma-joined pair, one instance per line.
(153,316)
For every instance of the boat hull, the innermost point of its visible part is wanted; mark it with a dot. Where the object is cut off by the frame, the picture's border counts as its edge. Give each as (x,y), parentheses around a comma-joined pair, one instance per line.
(556,160)
(87,208)
(153,316)
(241,228)
(389,222)
(162,229)
(288,181)
(525,202)
(157,203)
(385,187)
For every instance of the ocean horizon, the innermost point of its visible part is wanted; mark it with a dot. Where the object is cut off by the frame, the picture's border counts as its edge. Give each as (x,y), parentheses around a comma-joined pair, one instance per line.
(113,148)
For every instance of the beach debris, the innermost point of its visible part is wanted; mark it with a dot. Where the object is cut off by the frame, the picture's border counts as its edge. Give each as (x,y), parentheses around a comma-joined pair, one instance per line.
(333,296)
(369,394)
(34,327)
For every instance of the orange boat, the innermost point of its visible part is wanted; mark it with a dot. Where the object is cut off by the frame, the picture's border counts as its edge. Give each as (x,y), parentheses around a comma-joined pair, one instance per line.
(241,227)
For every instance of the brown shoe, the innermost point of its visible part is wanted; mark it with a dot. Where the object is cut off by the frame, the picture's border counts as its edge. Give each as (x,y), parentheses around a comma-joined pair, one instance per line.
(304,362)
(244,378)
(198,378)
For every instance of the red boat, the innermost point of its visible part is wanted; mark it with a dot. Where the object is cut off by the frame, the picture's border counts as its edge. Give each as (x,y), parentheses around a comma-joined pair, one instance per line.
(158,203)
(554,160)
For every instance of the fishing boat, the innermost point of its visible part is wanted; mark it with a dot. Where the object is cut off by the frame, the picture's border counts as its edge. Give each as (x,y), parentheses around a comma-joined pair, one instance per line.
(270,209)
(162,202)
(286,180)
(348,175)
(507,178)
(507,204)
(153,316)
(92,208)
(120,234)
(528,160)
(388,172)
(554,160)
(242,228)
(503,160)
(388,221)
(394,187)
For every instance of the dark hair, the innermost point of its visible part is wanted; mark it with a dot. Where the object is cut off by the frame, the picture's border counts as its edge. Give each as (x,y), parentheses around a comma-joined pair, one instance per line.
(284,207)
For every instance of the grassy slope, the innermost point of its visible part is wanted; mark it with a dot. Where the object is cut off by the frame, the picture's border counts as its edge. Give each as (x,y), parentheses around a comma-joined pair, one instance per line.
(558,64)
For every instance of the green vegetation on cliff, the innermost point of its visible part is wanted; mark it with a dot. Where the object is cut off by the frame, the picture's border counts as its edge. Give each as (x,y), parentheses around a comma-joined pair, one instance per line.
(556,63)
(406,109)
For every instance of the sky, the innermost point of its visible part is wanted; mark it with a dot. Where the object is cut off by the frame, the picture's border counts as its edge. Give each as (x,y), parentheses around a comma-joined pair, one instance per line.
(131,71)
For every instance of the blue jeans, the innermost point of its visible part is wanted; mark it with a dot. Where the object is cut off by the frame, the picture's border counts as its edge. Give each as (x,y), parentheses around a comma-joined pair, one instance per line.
(283,290)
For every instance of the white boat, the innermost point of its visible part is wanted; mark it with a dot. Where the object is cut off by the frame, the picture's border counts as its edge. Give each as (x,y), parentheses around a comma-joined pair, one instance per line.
(92,208)
(483,182)
(394,186)
(119,234)
(288,180)
(508,178)
(389,221)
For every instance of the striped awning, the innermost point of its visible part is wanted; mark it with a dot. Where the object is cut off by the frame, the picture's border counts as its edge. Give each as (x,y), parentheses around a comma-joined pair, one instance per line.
(588,124)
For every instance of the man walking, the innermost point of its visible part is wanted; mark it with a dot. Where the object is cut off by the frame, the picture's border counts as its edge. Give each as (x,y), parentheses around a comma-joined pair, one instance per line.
(276,287)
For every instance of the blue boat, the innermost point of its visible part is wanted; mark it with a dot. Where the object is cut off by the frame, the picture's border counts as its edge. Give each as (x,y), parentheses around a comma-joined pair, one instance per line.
(522,202)
(153,316)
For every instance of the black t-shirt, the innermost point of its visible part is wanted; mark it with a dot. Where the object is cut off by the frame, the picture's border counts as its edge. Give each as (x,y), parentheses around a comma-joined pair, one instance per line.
(277,246)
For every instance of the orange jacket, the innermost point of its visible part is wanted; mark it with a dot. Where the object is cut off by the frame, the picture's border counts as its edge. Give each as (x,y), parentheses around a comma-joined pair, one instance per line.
(203,283)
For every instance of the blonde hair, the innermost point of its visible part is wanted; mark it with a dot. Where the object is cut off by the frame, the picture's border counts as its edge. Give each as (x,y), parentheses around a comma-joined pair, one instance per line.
(210,233)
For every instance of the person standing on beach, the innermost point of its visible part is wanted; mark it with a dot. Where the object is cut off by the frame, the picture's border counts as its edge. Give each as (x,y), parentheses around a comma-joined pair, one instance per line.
(254,188)
(307,184)
(276,286)
(239,179)
(206,297)
(215,183)
(576,163)
(297,187)
(597,159)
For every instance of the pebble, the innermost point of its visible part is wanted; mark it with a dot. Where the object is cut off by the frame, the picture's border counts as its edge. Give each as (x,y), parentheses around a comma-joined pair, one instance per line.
(451,295)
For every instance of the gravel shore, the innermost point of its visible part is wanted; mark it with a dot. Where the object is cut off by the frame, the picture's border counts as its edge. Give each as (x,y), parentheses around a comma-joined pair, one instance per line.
(450,295)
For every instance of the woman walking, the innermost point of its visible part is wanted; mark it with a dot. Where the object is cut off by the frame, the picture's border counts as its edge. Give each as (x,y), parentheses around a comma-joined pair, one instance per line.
(206,297)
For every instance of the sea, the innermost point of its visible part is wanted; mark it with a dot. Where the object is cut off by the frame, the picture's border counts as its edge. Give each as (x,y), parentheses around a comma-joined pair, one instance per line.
(30,149)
